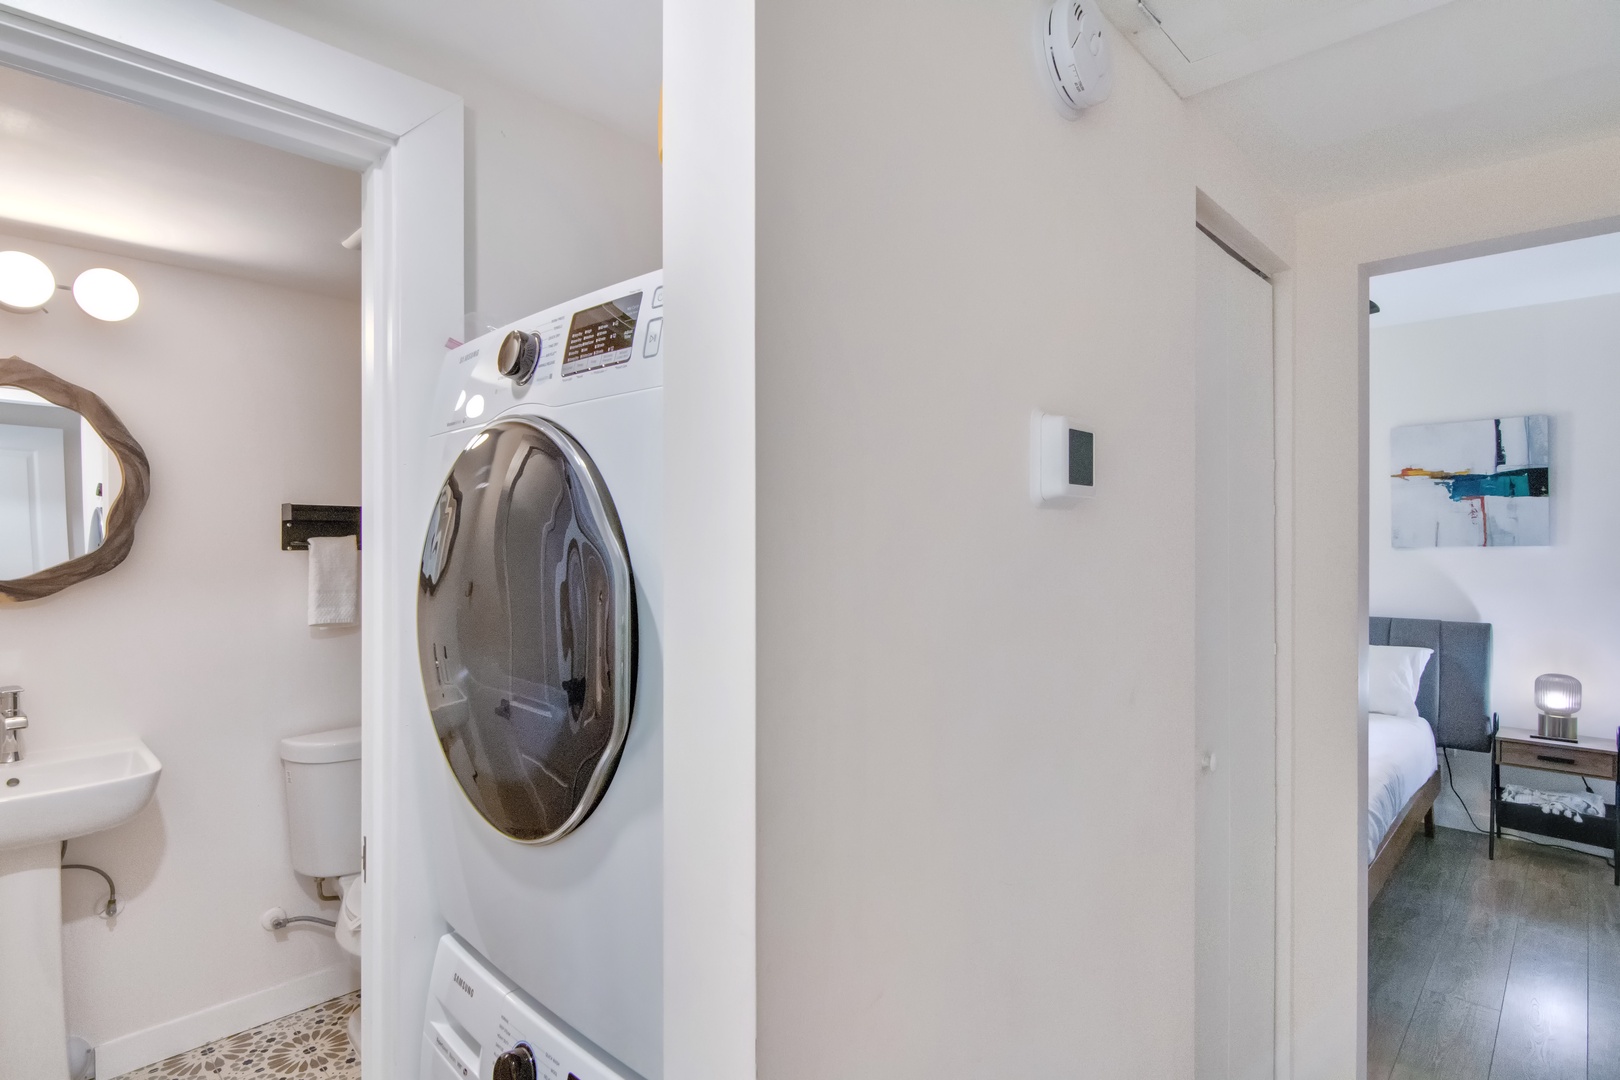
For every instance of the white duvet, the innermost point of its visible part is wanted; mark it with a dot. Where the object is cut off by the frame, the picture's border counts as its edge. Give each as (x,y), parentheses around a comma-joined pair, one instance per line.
(1400,759)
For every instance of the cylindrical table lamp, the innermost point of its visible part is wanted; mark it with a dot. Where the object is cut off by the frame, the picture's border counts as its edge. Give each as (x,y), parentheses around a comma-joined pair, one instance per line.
(1559,699)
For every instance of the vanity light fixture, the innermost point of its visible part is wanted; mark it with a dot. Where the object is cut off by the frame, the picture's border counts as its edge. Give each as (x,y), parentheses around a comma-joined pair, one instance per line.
(106,294)
(26,284)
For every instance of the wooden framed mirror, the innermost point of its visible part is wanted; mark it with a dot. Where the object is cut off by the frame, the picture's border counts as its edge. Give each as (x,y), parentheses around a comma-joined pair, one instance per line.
(73,482)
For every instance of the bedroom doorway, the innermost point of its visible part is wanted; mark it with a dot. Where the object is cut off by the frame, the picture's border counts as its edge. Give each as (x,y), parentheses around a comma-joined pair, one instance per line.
(1235,835)
(1489,555)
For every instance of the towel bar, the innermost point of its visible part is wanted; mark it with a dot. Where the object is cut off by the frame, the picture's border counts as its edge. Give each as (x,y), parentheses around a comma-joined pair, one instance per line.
(299,522)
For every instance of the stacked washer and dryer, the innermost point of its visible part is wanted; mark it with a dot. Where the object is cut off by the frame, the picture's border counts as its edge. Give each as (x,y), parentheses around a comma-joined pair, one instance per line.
(538,618)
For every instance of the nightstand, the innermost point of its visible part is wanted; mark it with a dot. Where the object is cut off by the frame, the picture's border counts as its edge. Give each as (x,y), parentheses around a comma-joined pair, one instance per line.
(1590,757)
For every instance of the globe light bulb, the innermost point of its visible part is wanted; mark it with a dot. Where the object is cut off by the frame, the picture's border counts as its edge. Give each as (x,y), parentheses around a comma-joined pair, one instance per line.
(26,284)
(106,294)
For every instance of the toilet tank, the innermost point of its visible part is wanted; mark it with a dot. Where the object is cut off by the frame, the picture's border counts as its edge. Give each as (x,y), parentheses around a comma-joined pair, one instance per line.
(321,773)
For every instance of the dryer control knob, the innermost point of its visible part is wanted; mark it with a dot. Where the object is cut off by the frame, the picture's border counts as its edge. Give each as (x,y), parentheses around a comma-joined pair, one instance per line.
(516,1064)
(520,352)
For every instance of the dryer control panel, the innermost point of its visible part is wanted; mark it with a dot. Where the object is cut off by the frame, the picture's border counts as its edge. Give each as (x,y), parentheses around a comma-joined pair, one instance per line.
(607,342)
(481,1027)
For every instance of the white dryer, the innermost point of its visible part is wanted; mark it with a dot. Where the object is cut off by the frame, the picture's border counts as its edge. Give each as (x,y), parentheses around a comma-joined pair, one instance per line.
(538,626)
(481,1027)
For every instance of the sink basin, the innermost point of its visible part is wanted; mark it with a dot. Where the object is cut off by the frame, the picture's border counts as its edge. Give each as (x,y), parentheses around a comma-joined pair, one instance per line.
(55,795)
(46,798)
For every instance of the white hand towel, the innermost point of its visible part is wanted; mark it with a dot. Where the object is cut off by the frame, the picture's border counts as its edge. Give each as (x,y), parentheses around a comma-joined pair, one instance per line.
(334,581)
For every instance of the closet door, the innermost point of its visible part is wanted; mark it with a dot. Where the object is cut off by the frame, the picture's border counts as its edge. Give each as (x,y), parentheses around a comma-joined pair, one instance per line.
(1236,828)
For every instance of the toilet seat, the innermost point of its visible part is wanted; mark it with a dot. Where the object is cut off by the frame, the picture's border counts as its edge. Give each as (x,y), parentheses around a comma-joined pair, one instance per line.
(347,930)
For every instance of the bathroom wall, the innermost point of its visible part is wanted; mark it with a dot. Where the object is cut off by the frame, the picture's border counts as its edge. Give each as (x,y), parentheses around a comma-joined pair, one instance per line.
(557,204)
(975,717)
(1550,608)
(244,396)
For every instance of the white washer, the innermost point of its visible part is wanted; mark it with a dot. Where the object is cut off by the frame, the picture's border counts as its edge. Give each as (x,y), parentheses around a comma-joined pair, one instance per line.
(480,1025)
(539,628)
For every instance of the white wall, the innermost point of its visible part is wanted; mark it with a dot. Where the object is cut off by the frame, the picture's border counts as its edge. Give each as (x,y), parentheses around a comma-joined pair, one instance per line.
(244,396)
(1550,608)
(1554,197)
(709,538)
(557,204)
(962,699)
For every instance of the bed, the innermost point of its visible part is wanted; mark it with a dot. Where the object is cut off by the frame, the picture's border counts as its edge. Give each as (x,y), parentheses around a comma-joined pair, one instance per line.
(1403,778)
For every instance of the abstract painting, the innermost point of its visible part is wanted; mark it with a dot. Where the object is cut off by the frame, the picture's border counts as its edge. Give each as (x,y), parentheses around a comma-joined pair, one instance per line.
(1479,483)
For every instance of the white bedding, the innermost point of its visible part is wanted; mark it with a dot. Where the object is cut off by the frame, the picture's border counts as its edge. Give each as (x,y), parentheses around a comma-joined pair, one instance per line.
(1400,759)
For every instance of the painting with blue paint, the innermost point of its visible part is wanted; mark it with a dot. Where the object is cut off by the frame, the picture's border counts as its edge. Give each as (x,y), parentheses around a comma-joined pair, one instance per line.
(1478,483)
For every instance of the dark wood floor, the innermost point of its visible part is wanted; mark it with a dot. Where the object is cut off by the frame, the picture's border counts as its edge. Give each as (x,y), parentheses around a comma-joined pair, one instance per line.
(1507,970)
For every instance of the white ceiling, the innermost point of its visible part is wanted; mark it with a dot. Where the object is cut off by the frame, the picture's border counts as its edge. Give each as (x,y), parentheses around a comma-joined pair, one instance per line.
(1197,44)
(1329,98)
(93,171)
(600,58)
(1338,98)
(1572,270)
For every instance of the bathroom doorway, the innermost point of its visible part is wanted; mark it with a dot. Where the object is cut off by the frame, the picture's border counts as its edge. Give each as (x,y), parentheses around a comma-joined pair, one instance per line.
(236,366)
(400,144)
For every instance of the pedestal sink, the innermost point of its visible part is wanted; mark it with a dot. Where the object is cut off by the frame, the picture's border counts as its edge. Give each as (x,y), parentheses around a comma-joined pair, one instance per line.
(46,798)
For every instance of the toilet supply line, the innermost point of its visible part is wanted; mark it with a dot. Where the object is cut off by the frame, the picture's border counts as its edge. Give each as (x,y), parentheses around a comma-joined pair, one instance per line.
(278,919)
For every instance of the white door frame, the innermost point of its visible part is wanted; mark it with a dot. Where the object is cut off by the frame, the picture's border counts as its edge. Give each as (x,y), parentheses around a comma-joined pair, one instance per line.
(224,70)
(46,456)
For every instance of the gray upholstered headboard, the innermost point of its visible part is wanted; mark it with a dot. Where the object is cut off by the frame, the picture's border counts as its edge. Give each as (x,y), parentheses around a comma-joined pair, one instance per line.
(1455,695)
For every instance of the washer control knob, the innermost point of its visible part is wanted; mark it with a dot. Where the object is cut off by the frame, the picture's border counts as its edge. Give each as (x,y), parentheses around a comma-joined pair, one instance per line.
(520,352)
(516,1064)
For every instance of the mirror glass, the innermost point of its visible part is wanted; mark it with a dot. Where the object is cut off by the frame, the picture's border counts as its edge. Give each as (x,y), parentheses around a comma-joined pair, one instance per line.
(58,480)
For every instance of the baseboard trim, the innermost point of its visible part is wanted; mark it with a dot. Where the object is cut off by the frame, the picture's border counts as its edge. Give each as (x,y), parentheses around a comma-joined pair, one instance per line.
(115,1057)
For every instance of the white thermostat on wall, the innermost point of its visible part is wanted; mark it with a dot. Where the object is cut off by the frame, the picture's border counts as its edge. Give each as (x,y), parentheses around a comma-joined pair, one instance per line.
(1061,464)
(1075,55)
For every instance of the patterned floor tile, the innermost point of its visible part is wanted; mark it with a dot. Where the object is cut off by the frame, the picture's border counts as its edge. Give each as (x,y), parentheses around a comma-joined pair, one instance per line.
(308,1045)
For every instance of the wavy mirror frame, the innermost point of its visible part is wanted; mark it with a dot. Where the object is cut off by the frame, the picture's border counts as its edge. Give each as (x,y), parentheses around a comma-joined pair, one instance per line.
(126,508)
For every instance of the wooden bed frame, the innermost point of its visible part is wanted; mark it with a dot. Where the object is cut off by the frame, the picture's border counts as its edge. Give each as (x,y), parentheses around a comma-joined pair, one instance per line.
(1454,696)
(1419,811)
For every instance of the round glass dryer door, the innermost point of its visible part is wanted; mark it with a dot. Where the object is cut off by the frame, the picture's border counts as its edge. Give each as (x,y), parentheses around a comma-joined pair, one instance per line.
(525,620)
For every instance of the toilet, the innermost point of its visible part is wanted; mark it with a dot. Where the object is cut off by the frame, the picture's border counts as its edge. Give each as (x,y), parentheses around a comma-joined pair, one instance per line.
(321,773)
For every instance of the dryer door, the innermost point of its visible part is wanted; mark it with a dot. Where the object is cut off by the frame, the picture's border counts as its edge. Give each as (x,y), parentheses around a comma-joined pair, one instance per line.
(525,620)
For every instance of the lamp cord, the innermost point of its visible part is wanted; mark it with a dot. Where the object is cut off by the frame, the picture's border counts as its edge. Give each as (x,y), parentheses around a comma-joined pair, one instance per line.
(1451,779)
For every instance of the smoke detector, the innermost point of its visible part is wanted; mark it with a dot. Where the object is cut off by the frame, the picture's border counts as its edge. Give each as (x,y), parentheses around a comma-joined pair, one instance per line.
(1075,55)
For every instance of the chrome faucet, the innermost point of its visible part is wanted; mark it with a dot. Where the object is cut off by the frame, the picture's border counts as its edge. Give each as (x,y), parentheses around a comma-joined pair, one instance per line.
(13,721)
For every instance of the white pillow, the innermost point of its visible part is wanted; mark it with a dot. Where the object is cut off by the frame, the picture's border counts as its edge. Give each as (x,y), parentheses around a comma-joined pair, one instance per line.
(1393,674)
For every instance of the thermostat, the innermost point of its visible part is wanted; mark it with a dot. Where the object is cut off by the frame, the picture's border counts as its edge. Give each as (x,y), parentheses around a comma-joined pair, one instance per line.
(1061,461)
